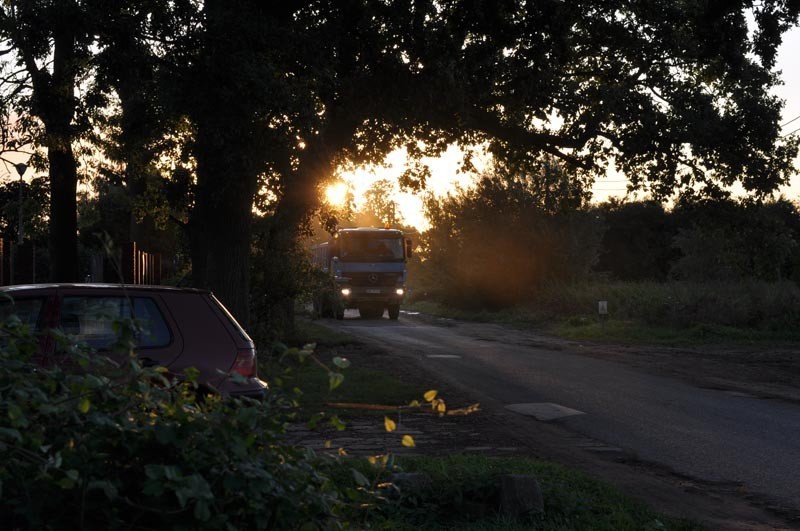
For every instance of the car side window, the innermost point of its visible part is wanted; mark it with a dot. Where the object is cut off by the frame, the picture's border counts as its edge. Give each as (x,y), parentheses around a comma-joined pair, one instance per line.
(29,310)
(91,319)
(154,329)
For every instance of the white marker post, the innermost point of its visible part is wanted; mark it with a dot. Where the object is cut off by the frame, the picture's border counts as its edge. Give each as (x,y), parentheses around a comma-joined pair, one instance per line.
(602,311)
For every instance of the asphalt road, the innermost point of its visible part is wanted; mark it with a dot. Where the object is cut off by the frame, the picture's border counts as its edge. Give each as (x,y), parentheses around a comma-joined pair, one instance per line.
(709,435)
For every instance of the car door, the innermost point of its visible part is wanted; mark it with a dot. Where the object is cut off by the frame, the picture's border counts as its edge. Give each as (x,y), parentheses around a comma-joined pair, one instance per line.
(35,308)
(92,315)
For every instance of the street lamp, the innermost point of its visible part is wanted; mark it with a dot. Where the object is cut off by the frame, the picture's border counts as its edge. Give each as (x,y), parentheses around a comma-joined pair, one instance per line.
(21,168)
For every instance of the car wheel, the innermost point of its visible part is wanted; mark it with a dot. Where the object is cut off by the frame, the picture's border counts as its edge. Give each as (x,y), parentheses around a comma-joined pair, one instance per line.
(394,311)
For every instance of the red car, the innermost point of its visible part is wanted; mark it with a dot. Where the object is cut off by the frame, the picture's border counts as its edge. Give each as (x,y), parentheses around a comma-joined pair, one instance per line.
(179,328)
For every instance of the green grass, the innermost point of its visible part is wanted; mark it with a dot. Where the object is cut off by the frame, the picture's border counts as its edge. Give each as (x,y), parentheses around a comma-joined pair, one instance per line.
(464,491)
(360,386)
(584,328)
(308,331)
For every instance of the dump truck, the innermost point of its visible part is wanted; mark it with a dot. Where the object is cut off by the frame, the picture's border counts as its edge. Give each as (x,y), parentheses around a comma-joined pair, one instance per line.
(363,268)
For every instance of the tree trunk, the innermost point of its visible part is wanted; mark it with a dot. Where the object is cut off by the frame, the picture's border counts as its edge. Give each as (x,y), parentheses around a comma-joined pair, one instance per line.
(221,225)
(229,150)
(56,106)
(63,229)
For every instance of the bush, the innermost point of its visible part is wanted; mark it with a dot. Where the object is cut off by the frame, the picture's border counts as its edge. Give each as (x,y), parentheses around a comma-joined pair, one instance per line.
(494,245)
(107,446)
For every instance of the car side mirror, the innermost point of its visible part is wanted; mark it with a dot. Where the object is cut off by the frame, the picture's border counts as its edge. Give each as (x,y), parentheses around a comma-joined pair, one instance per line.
(409,248)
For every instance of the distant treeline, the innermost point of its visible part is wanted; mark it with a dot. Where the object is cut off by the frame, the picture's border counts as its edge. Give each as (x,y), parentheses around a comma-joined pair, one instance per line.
(500,243)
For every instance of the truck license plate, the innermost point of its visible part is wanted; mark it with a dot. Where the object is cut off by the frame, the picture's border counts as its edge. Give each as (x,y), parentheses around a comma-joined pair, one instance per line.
(373,290)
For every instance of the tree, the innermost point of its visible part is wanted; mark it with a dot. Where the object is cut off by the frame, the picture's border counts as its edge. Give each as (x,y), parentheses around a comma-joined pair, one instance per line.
(731,240)
(494,245)
(277,97)
(379,207)
(52,43)
(34,208)
(637,244)
(653,85)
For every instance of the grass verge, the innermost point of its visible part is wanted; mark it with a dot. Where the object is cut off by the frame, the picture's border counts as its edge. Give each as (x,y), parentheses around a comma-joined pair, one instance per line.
(360,386)
(464,494)
(583,328)
(308,331)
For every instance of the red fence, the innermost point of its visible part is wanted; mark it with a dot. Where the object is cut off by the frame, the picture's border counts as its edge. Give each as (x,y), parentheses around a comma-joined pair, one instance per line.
(18,265)
(135,265)
(140,267)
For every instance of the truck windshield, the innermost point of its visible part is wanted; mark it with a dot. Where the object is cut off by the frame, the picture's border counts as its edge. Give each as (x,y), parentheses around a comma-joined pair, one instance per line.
(368,247)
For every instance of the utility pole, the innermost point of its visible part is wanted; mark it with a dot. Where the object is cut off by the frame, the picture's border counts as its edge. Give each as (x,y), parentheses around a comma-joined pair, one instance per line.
(21,169)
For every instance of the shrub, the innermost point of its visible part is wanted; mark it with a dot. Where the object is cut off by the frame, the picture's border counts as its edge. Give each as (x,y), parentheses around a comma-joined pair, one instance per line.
(107,446)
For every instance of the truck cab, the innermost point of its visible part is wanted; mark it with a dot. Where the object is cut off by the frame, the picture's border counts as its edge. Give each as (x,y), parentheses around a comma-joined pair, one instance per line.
(368,268)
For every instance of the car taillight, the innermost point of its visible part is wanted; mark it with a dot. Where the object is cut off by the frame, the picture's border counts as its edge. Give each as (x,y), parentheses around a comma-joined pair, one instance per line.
(245,362)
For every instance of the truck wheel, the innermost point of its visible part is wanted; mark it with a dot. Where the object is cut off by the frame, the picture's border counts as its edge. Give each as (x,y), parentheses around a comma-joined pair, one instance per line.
(394,311)
(339,313)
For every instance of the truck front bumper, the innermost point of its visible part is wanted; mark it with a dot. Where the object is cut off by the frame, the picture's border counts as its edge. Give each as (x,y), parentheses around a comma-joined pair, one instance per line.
(352,295)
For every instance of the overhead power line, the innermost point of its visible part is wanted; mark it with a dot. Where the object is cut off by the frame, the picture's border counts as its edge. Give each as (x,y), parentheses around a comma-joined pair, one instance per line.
(793,132)
(790,121)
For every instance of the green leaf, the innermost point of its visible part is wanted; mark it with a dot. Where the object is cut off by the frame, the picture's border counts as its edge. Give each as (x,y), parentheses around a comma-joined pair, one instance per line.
(154,471)
(166,434)
(191,374)
(340,362)
(16,416)
(172,472)
(337,423)
(107,487)
(153,487)
(314,420)
(335,379)
(84,405)
(361,480)
(11,433)
(201,511)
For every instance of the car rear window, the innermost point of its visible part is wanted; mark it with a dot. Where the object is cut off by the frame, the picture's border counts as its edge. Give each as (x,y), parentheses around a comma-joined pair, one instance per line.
(91,319)
(28,310)
(231,319)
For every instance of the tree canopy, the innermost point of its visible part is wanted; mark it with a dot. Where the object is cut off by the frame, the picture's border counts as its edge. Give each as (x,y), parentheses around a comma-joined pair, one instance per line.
(269,99)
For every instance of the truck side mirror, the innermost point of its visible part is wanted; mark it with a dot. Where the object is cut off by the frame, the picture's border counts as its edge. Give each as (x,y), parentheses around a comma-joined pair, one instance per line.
(409,248)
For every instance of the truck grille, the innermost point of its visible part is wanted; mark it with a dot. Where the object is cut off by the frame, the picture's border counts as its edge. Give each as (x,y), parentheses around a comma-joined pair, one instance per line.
(373,279)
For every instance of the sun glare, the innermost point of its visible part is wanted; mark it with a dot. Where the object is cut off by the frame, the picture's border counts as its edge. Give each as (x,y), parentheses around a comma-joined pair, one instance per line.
(336,194)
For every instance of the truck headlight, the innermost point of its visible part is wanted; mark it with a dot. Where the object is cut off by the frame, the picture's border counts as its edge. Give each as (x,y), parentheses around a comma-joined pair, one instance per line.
(346,292)
(399,291)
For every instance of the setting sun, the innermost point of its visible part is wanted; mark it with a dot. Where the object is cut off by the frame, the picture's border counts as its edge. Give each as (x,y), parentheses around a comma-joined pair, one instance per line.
(336,194)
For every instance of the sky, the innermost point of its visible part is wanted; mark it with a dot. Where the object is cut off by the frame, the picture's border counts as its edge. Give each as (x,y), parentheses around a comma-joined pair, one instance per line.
(445,174)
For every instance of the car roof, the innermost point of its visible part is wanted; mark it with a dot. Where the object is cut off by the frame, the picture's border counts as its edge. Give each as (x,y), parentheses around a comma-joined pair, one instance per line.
(99,287)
